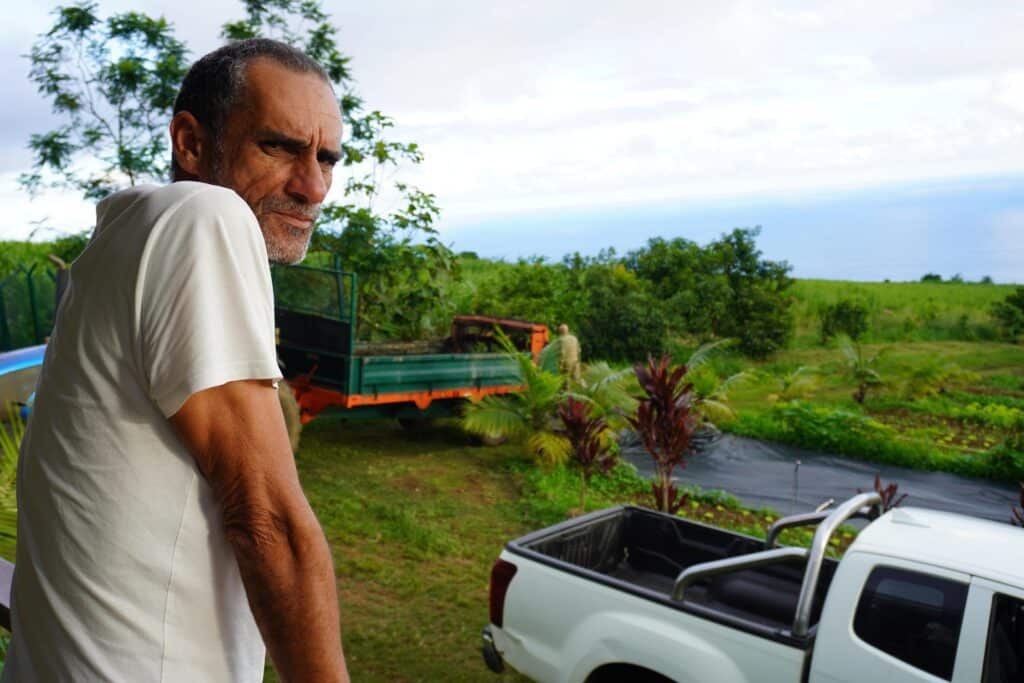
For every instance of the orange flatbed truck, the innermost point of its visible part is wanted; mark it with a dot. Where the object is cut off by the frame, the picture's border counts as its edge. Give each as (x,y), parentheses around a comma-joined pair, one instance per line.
(329,370)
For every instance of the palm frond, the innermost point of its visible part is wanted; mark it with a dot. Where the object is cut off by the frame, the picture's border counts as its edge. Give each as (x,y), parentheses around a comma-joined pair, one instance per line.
(550,448)
(704,351)
(714,410)
(494,416)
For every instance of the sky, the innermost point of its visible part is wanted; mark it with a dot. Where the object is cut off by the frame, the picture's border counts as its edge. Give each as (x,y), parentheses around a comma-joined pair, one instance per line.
(869,139)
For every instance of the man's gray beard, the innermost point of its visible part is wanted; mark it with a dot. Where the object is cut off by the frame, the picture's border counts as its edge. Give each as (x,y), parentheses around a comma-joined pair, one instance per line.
(284,253)
(281,254)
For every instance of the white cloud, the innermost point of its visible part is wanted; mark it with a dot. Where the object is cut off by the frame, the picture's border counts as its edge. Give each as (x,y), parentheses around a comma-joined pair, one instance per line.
(535,104)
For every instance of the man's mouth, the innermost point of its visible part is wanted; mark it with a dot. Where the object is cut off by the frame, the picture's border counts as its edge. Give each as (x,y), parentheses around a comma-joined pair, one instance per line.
(295,220)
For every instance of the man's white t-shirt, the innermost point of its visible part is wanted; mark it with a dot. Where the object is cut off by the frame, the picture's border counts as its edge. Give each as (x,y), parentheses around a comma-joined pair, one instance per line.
(123,569)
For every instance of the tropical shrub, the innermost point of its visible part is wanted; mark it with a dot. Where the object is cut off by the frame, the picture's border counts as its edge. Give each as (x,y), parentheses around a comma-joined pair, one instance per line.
(586,436)
(844,317)
(889,494)
(665,422)
(528,414)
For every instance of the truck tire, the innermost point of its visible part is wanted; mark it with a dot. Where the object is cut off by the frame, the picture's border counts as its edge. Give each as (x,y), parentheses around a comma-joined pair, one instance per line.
(416,425)
(292,414)
(621,673)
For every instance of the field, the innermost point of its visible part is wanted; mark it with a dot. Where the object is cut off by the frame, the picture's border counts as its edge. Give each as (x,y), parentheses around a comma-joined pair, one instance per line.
(903,311)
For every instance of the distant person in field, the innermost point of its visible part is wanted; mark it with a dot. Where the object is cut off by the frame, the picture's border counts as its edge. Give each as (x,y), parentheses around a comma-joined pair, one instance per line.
(162,531)
(568,354)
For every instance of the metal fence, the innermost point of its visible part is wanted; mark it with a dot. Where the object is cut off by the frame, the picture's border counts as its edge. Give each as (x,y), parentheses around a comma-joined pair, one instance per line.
(28,298)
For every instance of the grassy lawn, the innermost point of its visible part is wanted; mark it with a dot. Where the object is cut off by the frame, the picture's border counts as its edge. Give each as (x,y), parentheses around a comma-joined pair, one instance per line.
(415,523)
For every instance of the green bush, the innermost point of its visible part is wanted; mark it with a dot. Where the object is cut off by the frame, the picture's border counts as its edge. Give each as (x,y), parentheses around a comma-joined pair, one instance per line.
(1010,314)
(723,290)
(844,317)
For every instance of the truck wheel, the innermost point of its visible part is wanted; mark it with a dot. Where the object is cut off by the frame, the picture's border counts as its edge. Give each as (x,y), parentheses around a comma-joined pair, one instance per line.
(618,673)
(292,414)
(416,425)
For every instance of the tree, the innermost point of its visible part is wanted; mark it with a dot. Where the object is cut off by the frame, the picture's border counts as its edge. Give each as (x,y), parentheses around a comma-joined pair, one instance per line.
(1009,313)
(723,290)
(758,310)
(931,277)
(617,316)
(113,82)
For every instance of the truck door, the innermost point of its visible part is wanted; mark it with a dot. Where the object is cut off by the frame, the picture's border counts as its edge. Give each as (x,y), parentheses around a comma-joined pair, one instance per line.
(890,620)
(994,651)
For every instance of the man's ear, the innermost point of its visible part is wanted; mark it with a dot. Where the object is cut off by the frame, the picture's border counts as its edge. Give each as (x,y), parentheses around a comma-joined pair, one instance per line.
(188,143)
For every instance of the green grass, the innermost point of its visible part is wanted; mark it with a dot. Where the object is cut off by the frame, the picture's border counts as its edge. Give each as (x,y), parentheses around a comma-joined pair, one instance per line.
(903,311)
(415,524)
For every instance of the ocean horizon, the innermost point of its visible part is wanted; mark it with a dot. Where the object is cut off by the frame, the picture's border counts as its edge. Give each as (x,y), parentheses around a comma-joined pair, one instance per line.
(971,227)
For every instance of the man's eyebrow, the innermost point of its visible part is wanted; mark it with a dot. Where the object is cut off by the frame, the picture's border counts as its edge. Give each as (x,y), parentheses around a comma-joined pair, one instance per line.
(296,146)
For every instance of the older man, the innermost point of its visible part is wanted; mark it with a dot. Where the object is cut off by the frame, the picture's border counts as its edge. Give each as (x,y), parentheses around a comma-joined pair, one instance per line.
(163,534)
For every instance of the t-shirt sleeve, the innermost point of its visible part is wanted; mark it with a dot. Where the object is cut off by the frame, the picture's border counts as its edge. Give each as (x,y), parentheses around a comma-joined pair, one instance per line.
(205,301)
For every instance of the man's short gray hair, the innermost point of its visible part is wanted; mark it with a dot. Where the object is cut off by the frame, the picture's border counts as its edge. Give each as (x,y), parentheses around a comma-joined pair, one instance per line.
(215,84)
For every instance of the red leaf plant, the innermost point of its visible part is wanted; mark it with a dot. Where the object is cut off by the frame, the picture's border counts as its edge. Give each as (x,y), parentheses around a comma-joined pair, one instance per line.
(586,436)
(665,422)
(888,494)
(1018,510)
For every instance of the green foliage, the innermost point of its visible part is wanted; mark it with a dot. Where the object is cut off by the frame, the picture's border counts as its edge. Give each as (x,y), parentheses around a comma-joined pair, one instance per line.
(1010,314)
(934,377)
(844,317)
(529,414)
(931,277)
(800,383)
(861,368)
(901,311)
(725,290)
(112,82)
(617,317)
(11,435)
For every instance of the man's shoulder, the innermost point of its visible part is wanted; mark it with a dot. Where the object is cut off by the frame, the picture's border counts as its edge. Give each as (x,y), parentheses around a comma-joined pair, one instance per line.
(185,195)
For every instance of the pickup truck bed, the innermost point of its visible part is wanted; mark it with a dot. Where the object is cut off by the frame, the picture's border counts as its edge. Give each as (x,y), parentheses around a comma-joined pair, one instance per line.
(643,552)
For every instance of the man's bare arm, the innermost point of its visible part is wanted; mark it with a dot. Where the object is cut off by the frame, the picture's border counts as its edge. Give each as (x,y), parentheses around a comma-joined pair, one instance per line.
(237,435)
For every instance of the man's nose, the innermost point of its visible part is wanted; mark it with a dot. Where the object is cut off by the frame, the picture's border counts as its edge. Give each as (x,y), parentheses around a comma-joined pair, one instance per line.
(307,182)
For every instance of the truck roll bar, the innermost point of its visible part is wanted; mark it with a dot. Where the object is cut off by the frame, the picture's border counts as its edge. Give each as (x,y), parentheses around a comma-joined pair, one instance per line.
(863,505)
(873,501)
(706,570)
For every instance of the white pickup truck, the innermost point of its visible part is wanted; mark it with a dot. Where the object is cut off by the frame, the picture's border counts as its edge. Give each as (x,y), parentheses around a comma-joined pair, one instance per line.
(635,596)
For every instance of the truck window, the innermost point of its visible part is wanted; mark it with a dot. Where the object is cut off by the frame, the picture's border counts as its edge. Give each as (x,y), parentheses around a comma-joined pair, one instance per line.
(912,616)
(1004,654)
